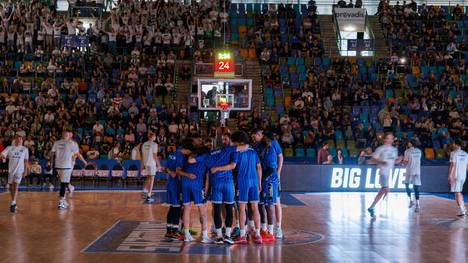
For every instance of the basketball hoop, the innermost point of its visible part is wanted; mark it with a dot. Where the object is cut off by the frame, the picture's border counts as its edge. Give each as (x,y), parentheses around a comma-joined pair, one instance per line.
(224,107)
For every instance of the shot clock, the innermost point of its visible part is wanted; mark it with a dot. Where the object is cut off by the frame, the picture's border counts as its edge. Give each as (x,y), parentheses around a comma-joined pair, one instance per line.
(224,64)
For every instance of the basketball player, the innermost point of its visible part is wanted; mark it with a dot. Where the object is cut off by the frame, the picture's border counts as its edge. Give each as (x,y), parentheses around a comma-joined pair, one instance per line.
(193,190)
(457,174)
(65,150)
(249,174)
(270,181)
(175,161)
(221,163)
(385,156)
(412,161)
(258,137)
(18,157)
(150,163)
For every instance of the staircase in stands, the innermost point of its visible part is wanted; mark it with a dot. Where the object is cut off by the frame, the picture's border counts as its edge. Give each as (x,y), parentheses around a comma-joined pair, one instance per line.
(381,48)
(328,36)
(183,87)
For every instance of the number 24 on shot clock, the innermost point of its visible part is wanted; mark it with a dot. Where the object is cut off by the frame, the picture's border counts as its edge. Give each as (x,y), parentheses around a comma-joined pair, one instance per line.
(224,64)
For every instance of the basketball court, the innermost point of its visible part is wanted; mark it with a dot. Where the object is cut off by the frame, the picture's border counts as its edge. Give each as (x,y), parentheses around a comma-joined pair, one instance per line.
(116,226)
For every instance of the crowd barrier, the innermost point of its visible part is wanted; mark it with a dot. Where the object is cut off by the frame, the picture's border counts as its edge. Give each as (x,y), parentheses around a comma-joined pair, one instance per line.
(295,177)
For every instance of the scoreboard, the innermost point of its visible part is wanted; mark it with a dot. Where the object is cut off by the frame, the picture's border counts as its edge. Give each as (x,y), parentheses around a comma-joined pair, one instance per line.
(224,64)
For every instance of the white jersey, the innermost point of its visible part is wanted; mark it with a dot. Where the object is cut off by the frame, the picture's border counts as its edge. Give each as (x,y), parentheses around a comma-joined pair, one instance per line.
(460,160)
(386,153)
(413,159)
(16,155)
(64,153)
(148,149)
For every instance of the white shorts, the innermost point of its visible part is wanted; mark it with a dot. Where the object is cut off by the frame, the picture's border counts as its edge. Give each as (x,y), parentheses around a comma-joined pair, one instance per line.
(457,187)
(15,178)
(65,175)
(414,179)
(384,180)
(149,171)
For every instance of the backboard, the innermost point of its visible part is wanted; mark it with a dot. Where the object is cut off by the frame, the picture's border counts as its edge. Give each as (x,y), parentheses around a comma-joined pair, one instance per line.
(224,94)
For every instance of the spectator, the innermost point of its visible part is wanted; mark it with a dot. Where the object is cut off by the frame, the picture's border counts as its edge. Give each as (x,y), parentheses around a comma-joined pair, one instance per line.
(322,155)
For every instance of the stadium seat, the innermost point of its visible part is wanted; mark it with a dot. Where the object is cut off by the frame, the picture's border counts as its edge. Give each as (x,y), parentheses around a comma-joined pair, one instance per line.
(311,153)
(429,153)
(289,152)
(300,152)
(440,154)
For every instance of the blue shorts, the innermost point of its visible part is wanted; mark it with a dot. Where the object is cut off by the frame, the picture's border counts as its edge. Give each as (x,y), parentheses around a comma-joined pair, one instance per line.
(269,193)
(173,196)
(193,194)
(248,194)
(223,192)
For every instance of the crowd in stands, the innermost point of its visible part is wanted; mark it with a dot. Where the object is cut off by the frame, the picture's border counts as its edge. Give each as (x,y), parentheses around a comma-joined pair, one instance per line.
(124,85)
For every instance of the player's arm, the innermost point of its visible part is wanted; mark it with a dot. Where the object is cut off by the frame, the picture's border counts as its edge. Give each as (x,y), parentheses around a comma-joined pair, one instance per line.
(259,174)
(399,160)
(227,167)
(4,154)
(280,164)
(207,183)
(80,156)
(375,159)
(181,172)
(451,173)
(26,164)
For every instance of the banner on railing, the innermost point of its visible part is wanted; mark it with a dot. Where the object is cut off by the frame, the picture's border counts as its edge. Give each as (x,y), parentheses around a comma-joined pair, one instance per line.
(360,44)
(350,14)
(75,41)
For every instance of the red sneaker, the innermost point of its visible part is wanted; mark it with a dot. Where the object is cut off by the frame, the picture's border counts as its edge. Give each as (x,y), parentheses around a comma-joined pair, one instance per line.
(241,241)
(258,240)
(169,236)
(265,236)
(178,236)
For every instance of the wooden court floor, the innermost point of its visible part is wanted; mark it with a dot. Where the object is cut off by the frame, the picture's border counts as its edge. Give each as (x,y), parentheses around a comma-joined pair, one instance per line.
(325,227)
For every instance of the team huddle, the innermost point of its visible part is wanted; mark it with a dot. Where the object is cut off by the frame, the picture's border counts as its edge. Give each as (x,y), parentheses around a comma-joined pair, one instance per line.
(241,182)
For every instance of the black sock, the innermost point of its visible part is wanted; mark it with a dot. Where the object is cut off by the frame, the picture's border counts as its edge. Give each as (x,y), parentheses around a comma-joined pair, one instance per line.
(229,215)
(217,215)
(416,191)
(408,190)
(63,189)
(176,217)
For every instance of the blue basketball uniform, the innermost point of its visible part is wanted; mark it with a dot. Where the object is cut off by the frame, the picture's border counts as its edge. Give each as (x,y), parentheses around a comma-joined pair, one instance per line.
(175,160)
(247,176)
(222,190)
(275,144)
(270,178)
(193,189)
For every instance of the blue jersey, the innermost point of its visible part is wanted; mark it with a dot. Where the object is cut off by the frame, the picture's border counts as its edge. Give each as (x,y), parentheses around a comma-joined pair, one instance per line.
(247,168)
(269,159)
(221,157)
(175,160)
(199,170)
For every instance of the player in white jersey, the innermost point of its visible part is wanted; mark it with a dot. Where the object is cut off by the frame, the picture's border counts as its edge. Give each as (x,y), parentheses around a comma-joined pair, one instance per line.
(457,175)
(18,157)
(150,164)
(412,161)
(65,151)
(385,157)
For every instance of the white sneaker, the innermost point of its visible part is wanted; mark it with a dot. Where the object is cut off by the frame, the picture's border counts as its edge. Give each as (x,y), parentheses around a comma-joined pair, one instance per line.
(207,240)
(417,209)
(279,233)
(62,205)
(71,188)
(411,204)
(189,238)
(462,212)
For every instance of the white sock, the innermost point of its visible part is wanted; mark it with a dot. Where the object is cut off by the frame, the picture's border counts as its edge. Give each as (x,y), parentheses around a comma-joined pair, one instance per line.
(145,190)
(13,202)
(237,224)
(278,225)
(205,233)
(270,229)
(187,232)
(219,232)
(257,232)
(252,224)
(264,227)
(242,232)
(228,231)
(417,202)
